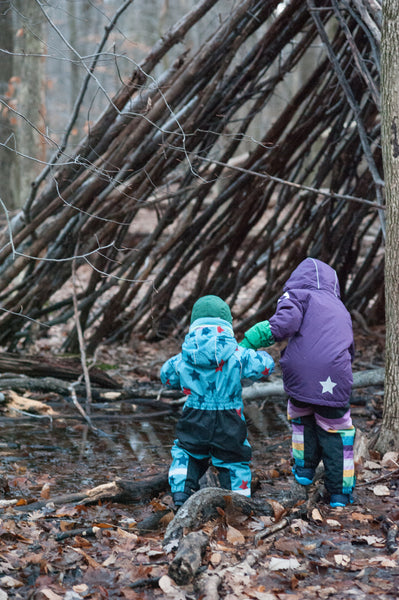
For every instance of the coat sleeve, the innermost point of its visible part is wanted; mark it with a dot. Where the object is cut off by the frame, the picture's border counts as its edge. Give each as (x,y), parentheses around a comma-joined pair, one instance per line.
(288,317)
(255,365)
(170,375)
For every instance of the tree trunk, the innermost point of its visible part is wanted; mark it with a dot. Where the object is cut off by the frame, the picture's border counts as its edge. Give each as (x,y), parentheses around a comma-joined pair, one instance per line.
(389,434)
(30,95)
(7,157)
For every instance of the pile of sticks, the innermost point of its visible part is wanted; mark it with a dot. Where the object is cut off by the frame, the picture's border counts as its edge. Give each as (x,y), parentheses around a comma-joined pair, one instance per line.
(177,151)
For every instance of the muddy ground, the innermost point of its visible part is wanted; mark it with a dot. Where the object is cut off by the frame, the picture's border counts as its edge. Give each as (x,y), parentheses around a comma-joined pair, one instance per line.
(71,551)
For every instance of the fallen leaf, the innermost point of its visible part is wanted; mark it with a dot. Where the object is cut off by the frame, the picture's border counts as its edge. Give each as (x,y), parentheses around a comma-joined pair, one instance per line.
(327,592)
(381,490)
(170,589)
(356,516)
(299,526)
(233,536)
(372,539)
(384,561)
(111,560)
(156,552)
(126,535)
(278,509)
(166,519)
(342,560)
(272,474)
(267,520)
(81,588)
(370,464)
(287,545)
(282,564)
(157,505)
(316,516)
(10,582)
(215,558)
(45,491)
(260,595)
(256,525)
(50,595)
(90,561)
(390,459)
(66,525)
(334,523)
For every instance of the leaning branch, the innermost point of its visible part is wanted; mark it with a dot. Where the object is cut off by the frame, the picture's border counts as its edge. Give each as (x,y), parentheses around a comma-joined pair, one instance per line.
(276,388)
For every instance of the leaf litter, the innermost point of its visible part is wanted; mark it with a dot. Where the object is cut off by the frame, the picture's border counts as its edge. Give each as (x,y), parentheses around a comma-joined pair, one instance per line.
(339,553)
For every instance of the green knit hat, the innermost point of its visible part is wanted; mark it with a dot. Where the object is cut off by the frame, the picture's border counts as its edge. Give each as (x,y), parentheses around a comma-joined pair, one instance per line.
(211,306)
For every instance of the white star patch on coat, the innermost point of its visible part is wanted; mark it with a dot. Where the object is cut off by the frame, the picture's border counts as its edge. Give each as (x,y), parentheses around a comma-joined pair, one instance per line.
(327,385)
(285,296)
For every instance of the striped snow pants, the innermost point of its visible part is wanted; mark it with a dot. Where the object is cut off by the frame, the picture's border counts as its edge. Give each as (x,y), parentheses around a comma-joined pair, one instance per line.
(324,433)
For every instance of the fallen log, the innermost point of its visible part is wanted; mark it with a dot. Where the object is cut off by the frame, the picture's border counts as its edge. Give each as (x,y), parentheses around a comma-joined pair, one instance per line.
(69,369)
(187,561)
(203,505)
(276,388)
(123,491)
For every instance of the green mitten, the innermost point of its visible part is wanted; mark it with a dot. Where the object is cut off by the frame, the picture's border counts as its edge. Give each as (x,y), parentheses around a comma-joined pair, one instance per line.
(258,336)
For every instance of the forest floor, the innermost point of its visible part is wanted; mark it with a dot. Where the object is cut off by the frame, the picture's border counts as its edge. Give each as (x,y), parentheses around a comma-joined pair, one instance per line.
(51,550)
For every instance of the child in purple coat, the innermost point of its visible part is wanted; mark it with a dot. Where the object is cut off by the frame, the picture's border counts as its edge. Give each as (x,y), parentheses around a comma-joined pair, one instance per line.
(317,374)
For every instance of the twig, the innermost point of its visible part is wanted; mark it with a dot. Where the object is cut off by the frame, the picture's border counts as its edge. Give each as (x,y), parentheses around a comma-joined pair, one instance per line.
(378,479)
(81,340)
(85,416)
(268,531)
(78,101)
(378,181)
(320,192)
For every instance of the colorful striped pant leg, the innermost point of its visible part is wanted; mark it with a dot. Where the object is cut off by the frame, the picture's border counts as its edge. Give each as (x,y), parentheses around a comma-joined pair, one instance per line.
(305,450)
(337,437)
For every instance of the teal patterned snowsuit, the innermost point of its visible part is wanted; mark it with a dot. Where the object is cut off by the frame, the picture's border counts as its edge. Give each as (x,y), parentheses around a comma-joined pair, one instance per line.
(209,371)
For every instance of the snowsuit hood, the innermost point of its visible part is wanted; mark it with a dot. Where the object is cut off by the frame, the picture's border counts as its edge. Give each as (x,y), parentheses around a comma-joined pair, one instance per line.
(314,274)
(211,366)
(208,342)
(316,362)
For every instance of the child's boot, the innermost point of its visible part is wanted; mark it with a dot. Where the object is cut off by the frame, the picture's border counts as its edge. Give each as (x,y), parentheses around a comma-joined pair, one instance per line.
(340,500)
(179,498)
(303,475)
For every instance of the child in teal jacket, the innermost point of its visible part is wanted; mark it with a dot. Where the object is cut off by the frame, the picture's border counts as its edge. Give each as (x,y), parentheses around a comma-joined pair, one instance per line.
(209,371)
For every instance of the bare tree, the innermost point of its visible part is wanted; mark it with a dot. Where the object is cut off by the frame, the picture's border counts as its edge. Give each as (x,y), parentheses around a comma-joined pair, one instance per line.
(389,434)
(7,141)
(29,68)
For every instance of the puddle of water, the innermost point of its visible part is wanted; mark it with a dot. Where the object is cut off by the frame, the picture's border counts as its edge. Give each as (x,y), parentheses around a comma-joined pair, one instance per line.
(75,458)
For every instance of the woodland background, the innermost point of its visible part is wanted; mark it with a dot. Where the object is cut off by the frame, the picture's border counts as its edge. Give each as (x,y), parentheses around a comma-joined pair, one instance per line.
(244,139)
(152,152)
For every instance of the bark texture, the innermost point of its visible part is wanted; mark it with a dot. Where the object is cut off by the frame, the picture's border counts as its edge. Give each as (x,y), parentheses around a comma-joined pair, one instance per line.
(389,434)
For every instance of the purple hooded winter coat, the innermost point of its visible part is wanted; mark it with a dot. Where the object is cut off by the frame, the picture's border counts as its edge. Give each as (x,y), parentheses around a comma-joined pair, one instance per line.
(316,362)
